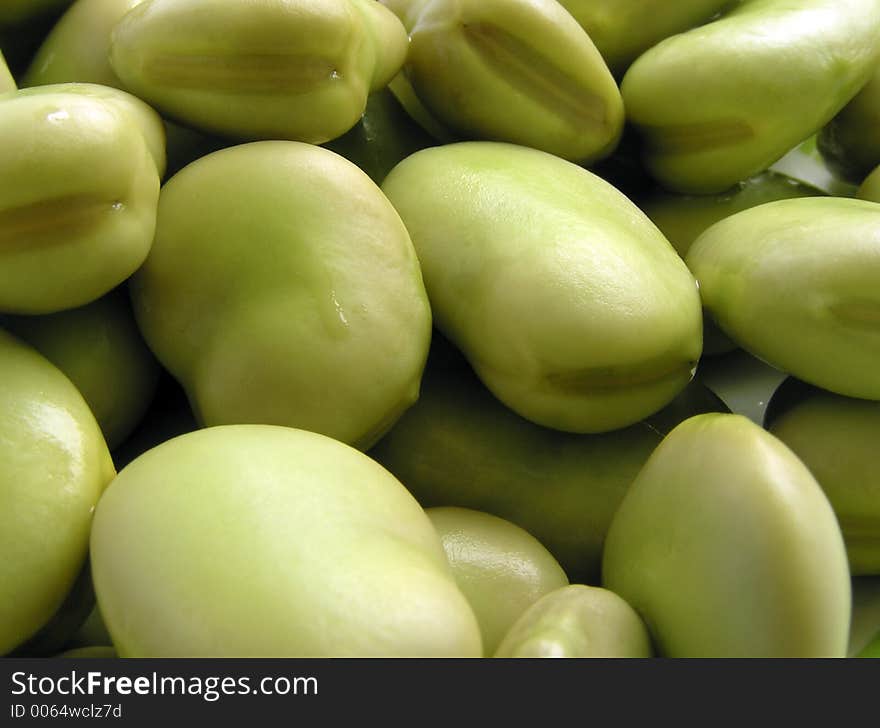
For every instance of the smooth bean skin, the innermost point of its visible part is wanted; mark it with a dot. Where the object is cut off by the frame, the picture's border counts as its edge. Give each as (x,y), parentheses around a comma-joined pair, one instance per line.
(278,69)
(258,540)
(143,116)
(99,348)
(682,218)
(569,303)
(870,188)
(836,438)
(78,46)
(459,446)
(80,217)
(500,568)
(722,102)
(77,50)
(851,140)
(54,465)
(519,71)
(727,547)
(578,621)
(620,31)
(295,299)
(794,282)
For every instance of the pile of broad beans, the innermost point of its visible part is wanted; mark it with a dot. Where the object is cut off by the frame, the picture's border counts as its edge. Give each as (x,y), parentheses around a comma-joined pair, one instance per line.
(514,328)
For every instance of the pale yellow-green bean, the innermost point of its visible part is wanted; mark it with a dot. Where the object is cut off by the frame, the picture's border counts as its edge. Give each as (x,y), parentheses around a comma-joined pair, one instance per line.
(724,101)
(146,119)
(80,216)
(54,465)
(295,299)
(726,546)
(795,283)
(500,568)
(279,69)
(521,71)
(265,541)
(578,621)
(569,303)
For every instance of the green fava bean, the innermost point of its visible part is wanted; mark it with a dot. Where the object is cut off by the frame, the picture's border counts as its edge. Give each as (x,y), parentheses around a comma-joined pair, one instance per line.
(99,347)
(870,189)
(851,140)
(258,540)
(795,282)
(78,46)
(458,445)
(620,30)
(727,547)
(280,69)
(710,112)
(500,568)
(80,217)
(54,464)
(520,71)
(77,50)
(295,299)
(572,307)
(578,621)
(836,438)
(142,115)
